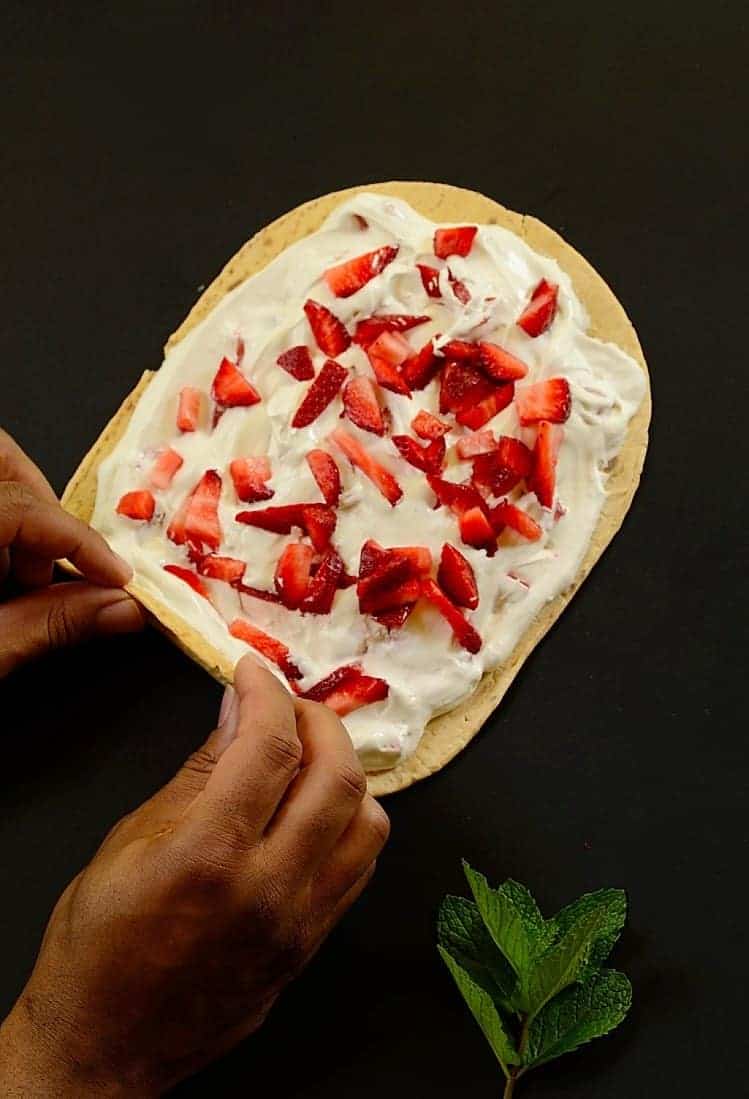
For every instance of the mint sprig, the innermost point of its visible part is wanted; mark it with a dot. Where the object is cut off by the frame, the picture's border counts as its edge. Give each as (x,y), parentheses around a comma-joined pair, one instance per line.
(536,987)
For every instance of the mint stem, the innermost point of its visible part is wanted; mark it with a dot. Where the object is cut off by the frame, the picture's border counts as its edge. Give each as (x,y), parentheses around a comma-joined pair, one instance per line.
(510,1086)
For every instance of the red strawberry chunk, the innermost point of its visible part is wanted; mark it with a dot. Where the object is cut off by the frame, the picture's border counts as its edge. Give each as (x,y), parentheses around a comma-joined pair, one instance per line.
(188,409)
(231,389)
(514,455)
(386,354)
(499,364)
(249,476)
(476,530)
(165,467)
(201,523)
(461,382)
(369,465)
(457,579)
(419,369)
(370,328)
(427,426)
(319,521)
(456,241)
(293,573)
(542,480)
(347,689)
(370,556)
(137,505)
(506,514)
(459,498)
(325,472)
(396,618)
(464,632)
(420,558)
(480,442)
(548,400)
(320,393)
(346,278)
(459,289)
(491,473)
(189,577)
(462,350)
(229,569)
(323,585)
(540,310)
(297,361)
(428,459)
(268,646)
(391,597)
(257,593)
(475,413)
(361,405)
(329,332)
(278,520)
(379,588)
(430,280)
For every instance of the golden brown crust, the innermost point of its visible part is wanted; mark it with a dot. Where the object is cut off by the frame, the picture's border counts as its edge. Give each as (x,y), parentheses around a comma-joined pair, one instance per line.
(446,735)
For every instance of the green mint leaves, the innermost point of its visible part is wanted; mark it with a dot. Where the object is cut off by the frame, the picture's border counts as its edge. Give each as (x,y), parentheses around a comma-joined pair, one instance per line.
(536,987)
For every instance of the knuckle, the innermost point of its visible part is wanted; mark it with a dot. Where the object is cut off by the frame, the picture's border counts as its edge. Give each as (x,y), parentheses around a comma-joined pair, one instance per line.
(15,498)
(282,751)
(201,762)
(377,822)
(60,625)
(351,781)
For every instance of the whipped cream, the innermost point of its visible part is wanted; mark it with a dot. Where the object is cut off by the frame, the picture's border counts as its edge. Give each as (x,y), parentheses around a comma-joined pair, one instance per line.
(427,671)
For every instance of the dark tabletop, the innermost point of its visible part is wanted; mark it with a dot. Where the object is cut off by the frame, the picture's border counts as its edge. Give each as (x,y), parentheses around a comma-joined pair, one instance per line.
(142,144)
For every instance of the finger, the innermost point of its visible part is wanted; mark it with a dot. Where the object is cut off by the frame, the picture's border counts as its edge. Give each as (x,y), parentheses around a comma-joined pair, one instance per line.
(4,564)
(61,615)
(350,897)
(17,466)
(357,849)
(324,798)
(45,530)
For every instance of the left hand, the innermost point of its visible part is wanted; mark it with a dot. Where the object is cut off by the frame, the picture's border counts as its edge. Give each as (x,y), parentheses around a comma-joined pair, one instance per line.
(34,533)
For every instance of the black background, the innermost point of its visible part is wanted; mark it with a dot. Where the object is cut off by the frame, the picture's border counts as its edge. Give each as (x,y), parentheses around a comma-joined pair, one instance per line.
(142,144)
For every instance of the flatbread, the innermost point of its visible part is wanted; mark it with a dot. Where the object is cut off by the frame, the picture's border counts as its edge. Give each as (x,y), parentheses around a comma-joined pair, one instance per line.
(446,735)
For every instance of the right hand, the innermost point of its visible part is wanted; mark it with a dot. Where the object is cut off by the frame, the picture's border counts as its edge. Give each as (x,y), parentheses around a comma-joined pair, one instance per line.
(174,943)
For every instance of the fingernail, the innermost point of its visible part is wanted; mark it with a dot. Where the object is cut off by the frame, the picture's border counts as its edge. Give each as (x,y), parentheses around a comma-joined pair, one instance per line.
(122,616)
(228,716)
(227,703)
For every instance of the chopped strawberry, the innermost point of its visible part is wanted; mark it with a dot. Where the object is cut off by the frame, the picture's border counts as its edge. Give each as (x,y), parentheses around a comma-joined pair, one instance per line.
(457,579)
(419,557)
(347,689)
(419,369)
(464,632)
(371,555)
(320,393)
(249,476)
(325,472)
(200,523)
(231,389)
(475,413)
(542,480)
(319,521)
(461,382)
(329,332)
(370,328)
(514,455)
(427,426)
(490,473)
(459,289)
(188,409)
(189,577)
(475,529)
(323,585)
(456,241)
(165,467)
(386,353)
(268,646)
(137,505)
(548,400)
(383,573)
(390,597)
(369,465)
(278,520)
(506,514)
(176,529)
(499,364)
(361,405)
(297,361)
(257,593)
(430,280)
(428,459)
(229,569)
(480,442)
(345,279)
(462,350)
(541,309)
(293,573)
(459,498)
(395,619)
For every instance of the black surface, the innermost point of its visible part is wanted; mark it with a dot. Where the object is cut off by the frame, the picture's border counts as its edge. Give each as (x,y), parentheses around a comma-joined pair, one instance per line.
(142,145)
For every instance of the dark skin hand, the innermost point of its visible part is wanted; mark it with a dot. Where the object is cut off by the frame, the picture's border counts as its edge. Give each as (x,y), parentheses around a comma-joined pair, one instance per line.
(201,905)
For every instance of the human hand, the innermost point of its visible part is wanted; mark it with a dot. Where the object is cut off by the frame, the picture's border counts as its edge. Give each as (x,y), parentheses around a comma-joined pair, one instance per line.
(34,532)
(173,944)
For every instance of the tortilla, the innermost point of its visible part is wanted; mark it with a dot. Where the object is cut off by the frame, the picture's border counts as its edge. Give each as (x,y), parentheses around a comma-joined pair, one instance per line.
(447,734)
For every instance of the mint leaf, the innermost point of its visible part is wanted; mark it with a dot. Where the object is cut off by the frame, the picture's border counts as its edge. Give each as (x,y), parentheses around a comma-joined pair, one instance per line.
(540,933)
(577,1015)
(461,931)
(562,963)
(614,903)
(504,919)
(484,1012)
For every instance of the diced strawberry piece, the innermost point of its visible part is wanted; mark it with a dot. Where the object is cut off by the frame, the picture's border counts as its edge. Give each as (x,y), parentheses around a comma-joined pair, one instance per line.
(459,498)
(137,505)
(427,426)
(499,364)
(419,369)
(464,632)
(200,523)
(540,310)
(189,577)
(389,597)
(419,557)
(457,579)
(229,569)
(293,573)
(475,529)
(475,414)
(542,480)
(347,689)
(361,405)
(514,455)
(165,467)
(382,574)
(370,556)
(392,571)
(461,350)
(430,280)
(320,393)
(506,514)
(428,459)
(329,332)
(548,400)
(231,389)
(249,476)
(257,593)
(297,361)
(325,472)
(480,442)
(319,521)
(386,353)
(323,585)
(491,473)
(370,328)
(188,409)
(268,646)
(278,520)
(346,278)
(396,618)
(459,289)
(369,465)
(456,241)
(461,382)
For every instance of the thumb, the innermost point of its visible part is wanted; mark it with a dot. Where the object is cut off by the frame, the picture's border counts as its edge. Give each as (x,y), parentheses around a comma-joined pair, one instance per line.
(62,615)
